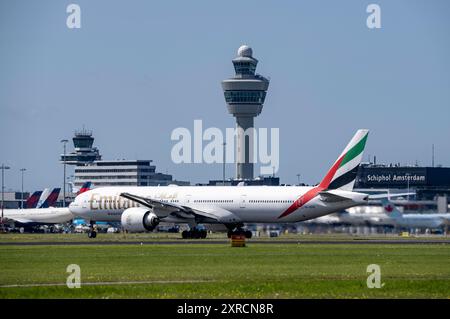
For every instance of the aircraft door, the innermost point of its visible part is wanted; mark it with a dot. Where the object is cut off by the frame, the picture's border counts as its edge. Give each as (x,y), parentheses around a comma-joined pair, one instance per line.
(85,201)
(243,201)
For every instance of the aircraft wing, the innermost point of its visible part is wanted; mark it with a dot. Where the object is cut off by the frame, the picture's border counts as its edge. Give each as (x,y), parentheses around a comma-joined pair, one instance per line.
(153,203)
(217,214)
(382,196)
(18,220)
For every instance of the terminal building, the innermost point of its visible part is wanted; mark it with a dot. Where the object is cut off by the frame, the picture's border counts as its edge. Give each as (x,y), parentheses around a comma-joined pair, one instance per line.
(258,181)
(122,173)
(13,200)
(427,182)
(89,167)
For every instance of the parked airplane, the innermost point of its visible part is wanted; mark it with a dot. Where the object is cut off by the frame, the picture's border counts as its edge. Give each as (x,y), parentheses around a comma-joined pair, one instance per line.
(36,216)
(142,208)
(390,215)
(398,219)
(43,214)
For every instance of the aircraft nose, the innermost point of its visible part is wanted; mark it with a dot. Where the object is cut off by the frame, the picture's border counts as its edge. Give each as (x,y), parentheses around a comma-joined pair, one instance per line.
(76,206)
(73,205)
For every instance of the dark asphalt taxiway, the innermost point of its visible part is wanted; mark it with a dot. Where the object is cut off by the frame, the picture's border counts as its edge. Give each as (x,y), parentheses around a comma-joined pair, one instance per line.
(224,242)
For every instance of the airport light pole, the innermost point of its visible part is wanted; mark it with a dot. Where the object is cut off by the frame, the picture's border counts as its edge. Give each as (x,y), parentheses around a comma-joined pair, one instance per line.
(407,183)
(3,167)
(21,196)
(432,155)
(298,177)
(64,180)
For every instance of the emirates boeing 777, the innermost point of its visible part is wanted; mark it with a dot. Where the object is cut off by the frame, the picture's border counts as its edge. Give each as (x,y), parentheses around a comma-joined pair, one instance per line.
(142,208)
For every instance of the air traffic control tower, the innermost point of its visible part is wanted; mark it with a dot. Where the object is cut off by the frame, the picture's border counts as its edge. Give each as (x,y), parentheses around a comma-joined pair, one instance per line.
(245,94)
(84,153)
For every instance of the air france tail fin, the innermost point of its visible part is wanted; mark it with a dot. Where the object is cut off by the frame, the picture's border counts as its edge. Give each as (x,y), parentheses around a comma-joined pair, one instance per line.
(51,199)
(33,200)
(342,174)
(390,209)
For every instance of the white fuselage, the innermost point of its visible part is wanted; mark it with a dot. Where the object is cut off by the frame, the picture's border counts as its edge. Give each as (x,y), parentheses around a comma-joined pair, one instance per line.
(49,215)
(405,220)
(422,220)
(250,204)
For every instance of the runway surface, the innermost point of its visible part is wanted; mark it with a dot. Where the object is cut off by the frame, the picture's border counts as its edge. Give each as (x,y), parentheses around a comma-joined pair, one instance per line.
(225,242)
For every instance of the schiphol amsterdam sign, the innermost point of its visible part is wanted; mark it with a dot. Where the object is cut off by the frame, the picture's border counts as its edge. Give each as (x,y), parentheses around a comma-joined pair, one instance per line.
(396,178)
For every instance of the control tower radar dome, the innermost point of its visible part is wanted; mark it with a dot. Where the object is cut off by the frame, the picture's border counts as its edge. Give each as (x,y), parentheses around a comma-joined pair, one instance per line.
(245,51)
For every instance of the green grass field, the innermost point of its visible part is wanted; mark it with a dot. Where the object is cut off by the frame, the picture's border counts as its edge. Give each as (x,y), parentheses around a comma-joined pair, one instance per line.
(220,271)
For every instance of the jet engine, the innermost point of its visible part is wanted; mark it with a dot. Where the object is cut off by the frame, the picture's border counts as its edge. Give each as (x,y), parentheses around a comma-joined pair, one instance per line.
(138,219)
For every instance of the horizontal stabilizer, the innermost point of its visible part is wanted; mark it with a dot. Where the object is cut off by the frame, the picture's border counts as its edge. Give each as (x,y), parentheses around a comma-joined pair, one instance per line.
(332,198)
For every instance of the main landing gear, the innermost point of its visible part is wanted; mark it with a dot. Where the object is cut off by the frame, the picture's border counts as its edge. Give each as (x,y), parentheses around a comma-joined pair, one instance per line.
(194,233)
(92,233)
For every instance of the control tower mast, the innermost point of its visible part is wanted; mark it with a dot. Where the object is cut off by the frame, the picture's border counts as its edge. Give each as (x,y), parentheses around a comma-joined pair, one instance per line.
(245,94)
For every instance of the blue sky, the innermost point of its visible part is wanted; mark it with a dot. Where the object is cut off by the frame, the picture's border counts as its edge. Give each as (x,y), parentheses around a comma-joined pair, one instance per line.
(136,70)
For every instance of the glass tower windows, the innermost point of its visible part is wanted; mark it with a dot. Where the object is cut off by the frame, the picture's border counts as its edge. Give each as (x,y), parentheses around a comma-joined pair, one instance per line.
(245,97)
(247,68)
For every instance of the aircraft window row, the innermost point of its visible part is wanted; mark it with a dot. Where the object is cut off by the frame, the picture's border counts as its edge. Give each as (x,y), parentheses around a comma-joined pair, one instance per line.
(213,201)
(269,201)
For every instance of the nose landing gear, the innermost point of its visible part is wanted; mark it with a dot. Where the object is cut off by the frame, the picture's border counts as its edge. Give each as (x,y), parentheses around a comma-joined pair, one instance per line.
(92,233)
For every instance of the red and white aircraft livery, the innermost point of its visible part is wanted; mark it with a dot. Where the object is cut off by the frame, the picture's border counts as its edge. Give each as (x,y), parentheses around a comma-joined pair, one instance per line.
(142,208)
